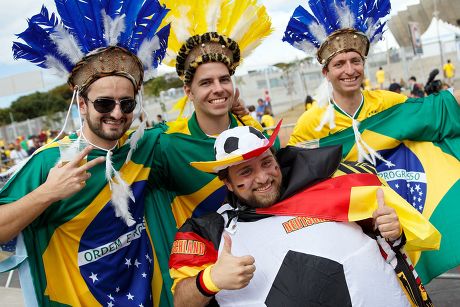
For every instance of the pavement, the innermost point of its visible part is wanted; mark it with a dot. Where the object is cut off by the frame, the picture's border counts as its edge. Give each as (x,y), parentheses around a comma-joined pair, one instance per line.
(443,292)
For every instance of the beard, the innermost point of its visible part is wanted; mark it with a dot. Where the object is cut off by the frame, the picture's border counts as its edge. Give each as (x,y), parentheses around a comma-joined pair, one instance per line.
(262,200)
(111,135)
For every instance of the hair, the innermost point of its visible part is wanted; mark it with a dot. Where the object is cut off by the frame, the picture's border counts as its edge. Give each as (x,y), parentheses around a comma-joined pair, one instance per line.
(413,78)
(260,99)
(223,173)
(308,99)
(251,108)
(268,111)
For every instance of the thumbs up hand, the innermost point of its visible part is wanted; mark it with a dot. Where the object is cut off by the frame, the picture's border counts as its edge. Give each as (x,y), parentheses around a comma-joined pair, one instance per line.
(385,219)
(231,272)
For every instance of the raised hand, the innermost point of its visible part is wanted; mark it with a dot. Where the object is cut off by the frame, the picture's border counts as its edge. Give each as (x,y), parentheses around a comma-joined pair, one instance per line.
(385,219)
(64,180)
(231,272)
(238,107)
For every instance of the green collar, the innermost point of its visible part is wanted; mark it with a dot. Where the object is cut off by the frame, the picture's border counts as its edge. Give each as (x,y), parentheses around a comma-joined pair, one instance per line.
(196,131)
(354,116)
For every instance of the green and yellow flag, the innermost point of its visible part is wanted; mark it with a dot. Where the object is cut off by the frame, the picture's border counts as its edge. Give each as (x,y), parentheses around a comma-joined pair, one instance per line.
(422,139)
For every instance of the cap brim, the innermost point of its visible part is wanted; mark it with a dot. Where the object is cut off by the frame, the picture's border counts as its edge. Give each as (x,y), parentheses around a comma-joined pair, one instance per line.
(215,166)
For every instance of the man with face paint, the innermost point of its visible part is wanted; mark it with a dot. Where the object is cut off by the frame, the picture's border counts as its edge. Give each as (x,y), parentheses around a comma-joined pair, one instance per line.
(282,239)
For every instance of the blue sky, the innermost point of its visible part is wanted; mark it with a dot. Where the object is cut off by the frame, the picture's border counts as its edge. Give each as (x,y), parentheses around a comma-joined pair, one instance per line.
(14,14)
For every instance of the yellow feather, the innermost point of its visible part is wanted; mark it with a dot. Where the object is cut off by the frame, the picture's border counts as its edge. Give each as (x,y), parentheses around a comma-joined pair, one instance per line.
(180,105)
(244,21)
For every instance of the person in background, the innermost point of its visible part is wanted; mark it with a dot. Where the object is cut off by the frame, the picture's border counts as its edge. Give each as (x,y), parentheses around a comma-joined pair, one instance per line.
(416,89)
(17,154)
(395,87)
(449,72)
(252,111)
(160,119)
(260,109)
(309,102)
(267,120)
(380,77)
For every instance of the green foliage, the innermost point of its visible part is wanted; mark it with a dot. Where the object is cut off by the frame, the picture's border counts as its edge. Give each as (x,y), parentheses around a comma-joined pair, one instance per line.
(58,99)
(162,83)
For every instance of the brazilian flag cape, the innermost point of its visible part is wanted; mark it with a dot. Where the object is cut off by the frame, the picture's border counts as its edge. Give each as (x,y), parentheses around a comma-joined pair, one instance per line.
(421,137)
(78,252)
(179,190)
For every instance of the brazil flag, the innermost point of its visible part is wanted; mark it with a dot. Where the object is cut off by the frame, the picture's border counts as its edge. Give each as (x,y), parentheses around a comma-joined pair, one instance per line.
(421,137)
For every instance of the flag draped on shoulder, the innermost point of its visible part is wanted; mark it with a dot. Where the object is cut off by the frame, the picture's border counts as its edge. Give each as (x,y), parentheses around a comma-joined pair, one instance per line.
(421,138)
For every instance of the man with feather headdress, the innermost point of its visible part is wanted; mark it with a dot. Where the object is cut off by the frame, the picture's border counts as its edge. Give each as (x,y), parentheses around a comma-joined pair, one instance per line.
(208,40)
(81,228)
(413,143)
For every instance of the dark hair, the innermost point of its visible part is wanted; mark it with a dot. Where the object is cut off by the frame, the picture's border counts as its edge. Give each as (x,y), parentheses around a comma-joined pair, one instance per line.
(251,108)
(308,99)
(432,85)
(413,78)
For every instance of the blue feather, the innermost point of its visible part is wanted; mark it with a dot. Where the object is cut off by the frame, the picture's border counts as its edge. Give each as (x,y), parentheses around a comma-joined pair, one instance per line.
(297,28)
(131,9)
(22,51)
(318,11)
(163,36)
(44,20)
(83,19)
(40,42)
(72,19)
(112,7)
(147,24)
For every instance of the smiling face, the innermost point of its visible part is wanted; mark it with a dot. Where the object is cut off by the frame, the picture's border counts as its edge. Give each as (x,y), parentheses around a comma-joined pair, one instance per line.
(211,91)
(256,182)
(104,129)
(345,72)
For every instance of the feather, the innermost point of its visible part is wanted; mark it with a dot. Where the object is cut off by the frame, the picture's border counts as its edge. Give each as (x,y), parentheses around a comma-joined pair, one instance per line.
(136,136)
(76,22)
(212,15)
(147,51)
(44,20)
(112,28)
(56,66)
(318,31)
(39,45)
(121,194)
(66,44)
(148,22)
(346,17)
(22,51)
(130,9)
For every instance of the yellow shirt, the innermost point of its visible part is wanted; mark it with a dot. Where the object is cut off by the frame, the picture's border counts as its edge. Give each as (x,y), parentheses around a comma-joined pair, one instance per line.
(268,121)
(449,70)
(374,102)
(380,75)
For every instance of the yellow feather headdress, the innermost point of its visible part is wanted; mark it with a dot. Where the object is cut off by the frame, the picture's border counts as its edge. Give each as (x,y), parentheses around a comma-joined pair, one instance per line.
(213,31)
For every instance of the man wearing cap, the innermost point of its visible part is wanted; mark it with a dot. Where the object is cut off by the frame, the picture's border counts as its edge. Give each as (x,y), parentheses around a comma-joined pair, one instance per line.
(282,239)
(82,229)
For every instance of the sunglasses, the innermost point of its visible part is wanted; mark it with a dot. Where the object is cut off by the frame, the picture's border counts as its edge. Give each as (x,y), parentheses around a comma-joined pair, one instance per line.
(106,105)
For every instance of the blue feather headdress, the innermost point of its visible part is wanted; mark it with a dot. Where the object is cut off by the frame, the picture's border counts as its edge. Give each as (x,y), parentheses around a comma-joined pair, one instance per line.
(88,27)
(334,26)
(95,39)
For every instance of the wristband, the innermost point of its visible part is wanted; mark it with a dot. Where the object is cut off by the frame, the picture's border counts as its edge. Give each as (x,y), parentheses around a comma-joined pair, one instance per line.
(205,284)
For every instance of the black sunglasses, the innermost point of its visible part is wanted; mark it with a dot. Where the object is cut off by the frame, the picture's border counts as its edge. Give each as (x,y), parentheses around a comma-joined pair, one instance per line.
(106,105)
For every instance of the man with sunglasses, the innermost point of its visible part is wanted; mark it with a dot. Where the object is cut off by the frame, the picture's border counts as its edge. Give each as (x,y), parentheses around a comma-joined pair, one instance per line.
(81,227)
